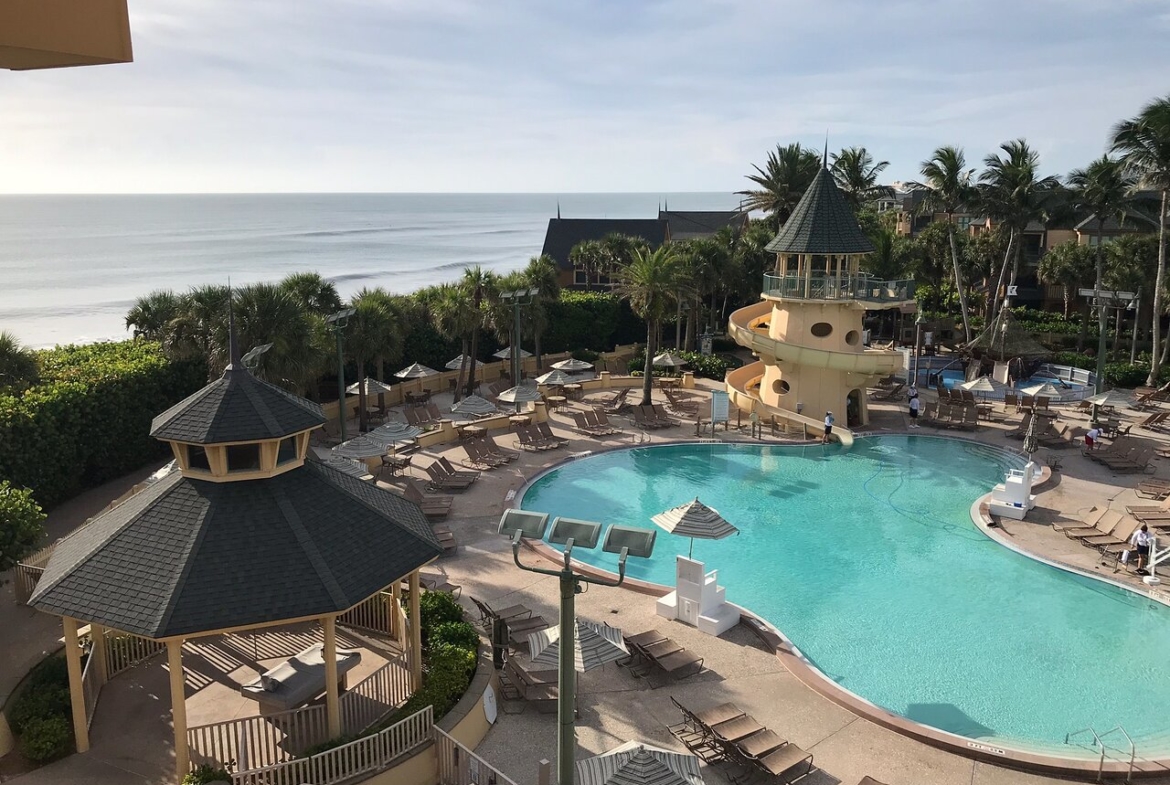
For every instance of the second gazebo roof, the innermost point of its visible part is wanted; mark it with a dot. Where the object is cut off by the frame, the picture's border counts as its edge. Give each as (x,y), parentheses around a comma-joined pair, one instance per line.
(822,223)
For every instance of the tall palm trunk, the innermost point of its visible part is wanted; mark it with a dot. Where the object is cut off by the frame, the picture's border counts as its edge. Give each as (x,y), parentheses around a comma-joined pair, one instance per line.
(1101,316)
(993,297)
(471,360)
(648,368)
(1137,320)
(536,348)
(363,420)
(678,324)
(1117,334)
(959,287)
(1159,281)
(459,375)
(1084,333)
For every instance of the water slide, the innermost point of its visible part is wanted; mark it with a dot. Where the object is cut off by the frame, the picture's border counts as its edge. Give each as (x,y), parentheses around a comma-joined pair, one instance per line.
(743,386)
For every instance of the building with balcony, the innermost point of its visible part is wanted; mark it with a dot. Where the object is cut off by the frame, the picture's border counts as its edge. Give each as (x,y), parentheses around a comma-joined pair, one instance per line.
(807,329)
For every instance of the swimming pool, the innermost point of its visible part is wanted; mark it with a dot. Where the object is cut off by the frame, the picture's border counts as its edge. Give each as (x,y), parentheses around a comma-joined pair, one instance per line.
(868,561)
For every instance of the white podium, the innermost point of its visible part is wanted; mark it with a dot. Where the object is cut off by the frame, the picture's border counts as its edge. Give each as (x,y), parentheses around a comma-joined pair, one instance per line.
(1013,497)
(698,599)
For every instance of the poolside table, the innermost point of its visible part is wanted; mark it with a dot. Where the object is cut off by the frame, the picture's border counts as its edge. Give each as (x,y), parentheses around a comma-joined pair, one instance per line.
(573,392)
(472,431)
(557,402)
(520,419)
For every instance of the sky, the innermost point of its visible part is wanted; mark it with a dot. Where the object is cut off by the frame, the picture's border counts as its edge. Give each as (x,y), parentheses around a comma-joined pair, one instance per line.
(537,96)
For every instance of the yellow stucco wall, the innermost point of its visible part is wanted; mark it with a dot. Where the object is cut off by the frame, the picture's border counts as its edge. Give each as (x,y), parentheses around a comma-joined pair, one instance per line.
(7,740)
(419,769)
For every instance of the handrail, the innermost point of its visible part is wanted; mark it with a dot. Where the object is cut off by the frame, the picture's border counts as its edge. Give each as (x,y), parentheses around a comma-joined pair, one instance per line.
(739,385)
(1132,748)
(1097,741)
(859,286)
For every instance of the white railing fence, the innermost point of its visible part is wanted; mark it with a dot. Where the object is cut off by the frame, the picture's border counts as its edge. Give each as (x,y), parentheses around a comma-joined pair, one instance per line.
(349,761)
(124,651)
(255,742)
(28,571)
(373,615)
(91,687)
(375,696)
(458,765)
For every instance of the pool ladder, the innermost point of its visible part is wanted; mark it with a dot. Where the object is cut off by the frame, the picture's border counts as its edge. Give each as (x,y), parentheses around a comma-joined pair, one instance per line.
(1098,741)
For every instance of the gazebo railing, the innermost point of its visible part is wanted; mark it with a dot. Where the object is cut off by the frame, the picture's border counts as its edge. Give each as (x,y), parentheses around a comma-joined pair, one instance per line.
(91,687)
(363,756)
(458,765)
(374,615)
(124,651)
(375,696)
(28,571)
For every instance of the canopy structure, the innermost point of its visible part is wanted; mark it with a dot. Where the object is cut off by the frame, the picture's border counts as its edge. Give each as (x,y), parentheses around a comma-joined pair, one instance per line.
(1004,340)
(373,387)
(556,378)
(1111,398)
(377,442)
(638,763)
(695,520)
(506,353)
(475,406)
(593,646)
(457,363)
(669,360)
(984,385)
(525,393)
(416,371)
(573,365)
(1046,389)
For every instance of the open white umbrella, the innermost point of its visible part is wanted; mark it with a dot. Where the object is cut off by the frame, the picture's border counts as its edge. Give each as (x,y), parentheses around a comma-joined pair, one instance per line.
(1046,389)
(555,378)
(695,519)
(1111,398)
(593,646)
(457,363)
(506,353)
(373,387)
(416,371)
(525,393)
(669,360)
(394,432)
(475,406)
(638,763)
(984,385)
(361,447)
(347,466)
(572,365)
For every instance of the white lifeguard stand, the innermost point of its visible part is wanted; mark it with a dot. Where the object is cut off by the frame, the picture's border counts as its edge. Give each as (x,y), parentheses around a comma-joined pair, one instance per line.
(1013,497)
(698,599)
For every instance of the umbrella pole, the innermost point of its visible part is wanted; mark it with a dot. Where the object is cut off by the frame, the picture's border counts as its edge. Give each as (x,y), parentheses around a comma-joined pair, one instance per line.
(691,552)
(567,678)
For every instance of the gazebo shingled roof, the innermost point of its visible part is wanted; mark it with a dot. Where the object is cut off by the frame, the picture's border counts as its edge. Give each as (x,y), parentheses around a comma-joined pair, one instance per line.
(236,407)
(186,555)
(822,223)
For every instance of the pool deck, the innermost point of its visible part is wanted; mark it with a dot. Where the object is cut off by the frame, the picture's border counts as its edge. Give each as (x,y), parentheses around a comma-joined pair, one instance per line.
(614,706)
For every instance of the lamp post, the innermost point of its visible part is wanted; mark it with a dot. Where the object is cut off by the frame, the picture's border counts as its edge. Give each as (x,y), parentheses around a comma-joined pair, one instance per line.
(338,322)
(921,320)
(622,540)
(517,298)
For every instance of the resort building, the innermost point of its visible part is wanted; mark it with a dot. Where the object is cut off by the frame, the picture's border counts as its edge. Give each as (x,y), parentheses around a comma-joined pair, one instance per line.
(807,330)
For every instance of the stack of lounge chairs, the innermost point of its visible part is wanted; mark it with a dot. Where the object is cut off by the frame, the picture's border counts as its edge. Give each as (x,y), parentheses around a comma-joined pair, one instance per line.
(726,734)
(1124,455)
(536,687)
(652,417)
(594,423)
(529,437)
(444,477)
(1107,530)
(944,415)
(483,453)
(520,620)
(614,403)
(652,651)
(1153,489)
(1152,398)
(679,405)
(423,416)
(436,508)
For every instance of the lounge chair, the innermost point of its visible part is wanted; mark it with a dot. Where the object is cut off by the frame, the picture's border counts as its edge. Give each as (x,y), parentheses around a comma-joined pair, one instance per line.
(518,617)
(786,764)
(440,480)
(681,405)
(643,421)
(544,431)
(615,403)
(1104,527)
(490,445)
(479,457)
(1137,460)
(1088,523)
(434,507)
(438,582)
(1121,534)
(538,688)
(891,393)
(663,416)
(1022,430)
(529,439)
(462,473)
(1011,399)
(1153,488)
(1153,421)
(603,421)
(584,427)
(671,658)
(446,539)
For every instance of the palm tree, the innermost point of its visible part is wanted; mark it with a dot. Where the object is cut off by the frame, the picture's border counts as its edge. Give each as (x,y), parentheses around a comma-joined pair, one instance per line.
(650,283)
(948,188)
(18,365)
(200,328)
(477,286)
(857,176)
(372,328)
(591,257)
(1144,145)
(787,174)
(152,317)
(453,317)
(268,314)
(541,275)
(313,293)
(1012,191)
(1069,266)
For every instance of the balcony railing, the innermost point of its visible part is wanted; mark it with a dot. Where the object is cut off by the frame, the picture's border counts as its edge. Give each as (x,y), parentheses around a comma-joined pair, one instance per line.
(829,287)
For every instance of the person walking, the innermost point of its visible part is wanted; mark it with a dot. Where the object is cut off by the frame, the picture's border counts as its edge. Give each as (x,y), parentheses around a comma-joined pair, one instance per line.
(828,427)
(915,405)
(1141,541)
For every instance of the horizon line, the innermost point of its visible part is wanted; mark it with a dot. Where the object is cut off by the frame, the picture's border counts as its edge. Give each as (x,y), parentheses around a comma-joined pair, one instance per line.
(354,193)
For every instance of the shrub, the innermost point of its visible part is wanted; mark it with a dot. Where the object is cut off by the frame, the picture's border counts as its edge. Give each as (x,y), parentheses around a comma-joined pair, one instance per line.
(205,774)
(21,524)
(454,633)
(45,694)
(1075,360)
(586,355)
(581,320)
(46,738)
(1126,375)
(435,608)
(714,366)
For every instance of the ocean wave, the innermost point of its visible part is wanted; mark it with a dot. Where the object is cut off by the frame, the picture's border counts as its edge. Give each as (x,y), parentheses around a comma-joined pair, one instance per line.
(344,232)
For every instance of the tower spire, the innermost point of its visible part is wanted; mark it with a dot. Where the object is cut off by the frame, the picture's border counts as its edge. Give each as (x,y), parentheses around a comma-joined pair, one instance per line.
(558,209)
(825,158)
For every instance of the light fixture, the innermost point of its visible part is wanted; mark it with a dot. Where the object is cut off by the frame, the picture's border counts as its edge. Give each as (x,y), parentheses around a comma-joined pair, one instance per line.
(571,533)
(523,524)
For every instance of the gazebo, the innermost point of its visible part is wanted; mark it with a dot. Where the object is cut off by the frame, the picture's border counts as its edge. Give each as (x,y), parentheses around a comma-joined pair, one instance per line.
(246,534)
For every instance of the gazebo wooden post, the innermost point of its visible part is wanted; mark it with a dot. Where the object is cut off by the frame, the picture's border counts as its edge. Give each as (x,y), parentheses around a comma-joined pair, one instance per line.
(97,634)
(178,706)
(332,703)
(76,690)
(396,599)
(415,632)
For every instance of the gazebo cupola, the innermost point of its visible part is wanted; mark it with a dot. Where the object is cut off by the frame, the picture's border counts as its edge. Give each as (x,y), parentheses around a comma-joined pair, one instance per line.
(238,427)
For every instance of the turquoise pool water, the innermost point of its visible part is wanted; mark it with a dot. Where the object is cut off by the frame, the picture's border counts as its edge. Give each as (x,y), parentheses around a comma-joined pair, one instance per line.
(868,561)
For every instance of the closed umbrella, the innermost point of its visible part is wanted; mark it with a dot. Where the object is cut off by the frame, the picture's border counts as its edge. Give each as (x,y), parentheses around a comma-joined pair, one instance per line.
(669,360)
(695,519)
(573,365)
(457,363)
(525,393)
(638,763)
(474,406)
(593,646)
(373,387)
(984,385)
(506,353)
(555,379)
(416,371)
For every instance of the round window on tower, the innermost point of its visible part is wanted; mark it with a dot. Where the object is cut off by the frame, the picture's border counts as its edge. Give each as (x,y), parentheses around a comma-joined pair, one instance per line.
(852,337)
(821,329)
(781,387)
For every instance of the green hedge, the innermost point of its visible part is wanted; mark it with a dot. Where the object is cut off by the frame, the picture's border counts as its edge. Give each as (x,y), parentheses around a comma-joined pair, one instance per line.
(41,714)
(205,774)
(88,420)
(581,320)
(21,524)
(714,366)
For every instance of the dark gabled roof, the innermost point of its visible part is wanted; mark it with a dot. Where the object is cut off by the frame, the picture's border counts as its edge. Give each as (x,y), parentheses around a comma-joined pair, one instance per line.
(688,224)
(186,556)
(1135,221)
(821,223)
(236,407)
(564,233)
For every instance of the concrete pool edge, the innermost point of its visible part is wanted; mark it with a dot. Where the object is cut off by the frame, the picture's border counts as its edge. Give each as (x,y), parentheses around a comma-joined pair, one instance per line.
(808,674)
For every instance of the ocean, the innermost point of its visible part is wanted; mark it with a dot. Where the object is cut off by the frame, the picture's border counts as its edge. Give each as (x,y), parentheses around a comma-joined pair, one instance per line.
(71,266)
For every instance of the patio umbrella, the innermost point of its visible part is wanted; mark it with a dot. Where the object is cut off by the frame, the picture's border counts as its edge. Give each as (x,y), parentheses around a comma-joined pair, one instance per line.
(525,393)
(361,447)
(593,646)
(984,385)
(695,519)
(475,406)
(506,353)
(393,432)
(669,360)
(346,466)
(1111,398)
(637,763)
(1047,389)
(457,363)
(572,365)
(373,386)
(416,371)
(555,378)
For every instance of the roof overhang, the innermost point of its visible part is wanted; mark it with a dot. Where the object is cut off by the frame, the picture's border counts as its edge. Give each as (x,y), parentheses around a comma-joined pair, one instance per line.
(59,33)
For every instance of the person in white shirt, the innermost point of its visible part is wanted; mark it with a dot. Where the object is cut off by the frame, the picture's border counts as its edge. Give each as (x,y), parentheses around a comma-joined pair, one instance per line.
(1091,437)
(1141,540)
(828,427)
(914,407)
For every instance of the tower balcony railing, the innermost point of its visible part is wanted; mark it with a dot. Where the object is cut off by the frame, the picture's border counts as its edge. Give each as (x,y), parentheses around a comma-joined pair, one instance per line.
(847,287)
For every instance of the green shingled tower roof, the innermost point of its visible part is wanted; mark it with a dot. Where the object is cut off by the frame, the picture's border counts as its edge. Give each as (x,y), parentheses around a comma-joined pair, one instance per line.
(822,223)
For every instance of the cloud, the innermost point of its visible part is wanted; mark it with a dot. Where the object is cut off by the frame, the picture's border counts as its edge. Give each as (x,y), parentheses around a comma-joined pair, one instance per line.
(523,95)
